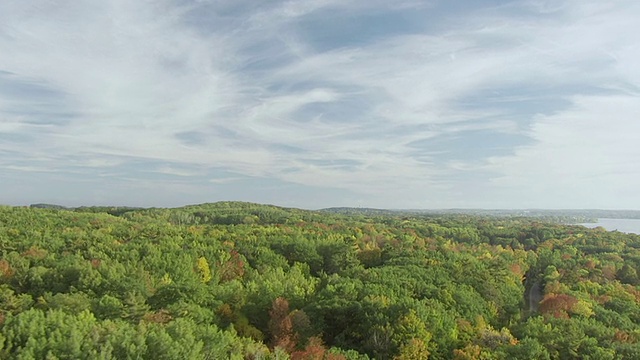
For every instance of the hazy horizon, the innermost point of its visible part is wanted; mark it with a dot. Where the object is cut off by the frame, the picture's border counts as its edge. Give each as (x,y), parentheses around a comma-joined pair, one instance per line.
(553,210)
(410,104)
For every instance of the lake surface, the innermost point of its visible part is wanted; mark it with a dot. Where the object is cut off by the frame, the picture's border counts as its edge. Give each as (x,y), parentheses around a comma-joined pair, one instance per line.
(622,225)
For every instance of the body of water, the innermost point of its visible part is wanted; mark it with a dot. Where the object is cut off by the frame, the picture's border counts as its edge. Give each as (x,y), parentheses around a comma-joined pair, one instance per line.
(623,225)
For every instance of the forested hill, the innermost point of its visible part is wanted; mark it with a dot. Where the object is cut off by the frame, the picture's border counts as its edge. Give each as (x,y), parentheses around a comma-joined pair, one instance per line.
(235,280)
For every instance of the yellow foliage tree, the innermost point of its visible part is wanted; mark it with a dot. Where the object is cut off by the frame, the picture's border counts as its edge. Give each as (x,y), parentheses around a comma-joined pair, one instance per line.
(203,269)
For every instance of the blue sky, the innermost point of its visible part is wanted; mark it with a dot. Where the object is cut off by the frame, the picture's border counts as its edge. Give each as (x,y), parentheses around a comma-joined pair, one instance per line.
(318,103)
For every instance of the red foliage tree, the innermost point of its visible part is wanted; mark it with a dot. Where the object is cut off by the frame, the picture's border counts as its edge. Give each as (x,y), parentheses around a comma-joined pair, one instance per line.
(281,327)
(315,350)
(557,305)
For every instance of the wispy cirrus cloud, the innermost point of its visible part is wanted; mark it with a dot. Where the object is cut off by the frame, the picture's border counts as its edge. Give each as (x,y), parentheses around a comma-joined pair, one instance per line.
(410,104)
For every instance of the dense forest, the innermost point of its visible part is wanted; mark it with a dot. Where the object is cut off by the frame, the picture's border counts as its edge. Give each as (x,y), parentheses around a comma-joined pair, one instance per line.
(244,281)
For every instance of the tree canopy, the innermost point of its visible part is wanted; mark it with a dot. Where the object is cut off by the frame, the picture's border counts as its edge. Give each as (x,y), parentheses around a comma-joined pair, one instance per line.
(237,280)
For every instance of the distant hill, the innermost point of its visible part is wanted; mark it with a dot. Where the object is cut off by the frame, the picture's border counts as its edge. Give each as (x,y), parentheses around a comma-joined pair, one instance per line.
(48,206)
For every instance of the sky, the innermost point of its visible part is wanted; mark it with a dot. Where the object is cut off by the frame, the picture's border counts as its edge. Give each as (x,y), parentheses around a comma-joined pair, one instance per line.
(320,103)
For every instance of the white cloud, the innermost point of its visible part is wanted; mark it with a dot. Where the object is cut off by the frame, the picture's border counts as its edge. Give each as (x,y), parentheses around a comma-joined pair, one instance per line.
(586,155)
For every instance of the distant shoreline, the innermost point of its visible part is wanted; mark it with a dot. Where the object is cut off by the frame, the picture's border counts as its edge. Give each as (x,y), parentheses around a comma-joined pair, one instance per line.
(629,226)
